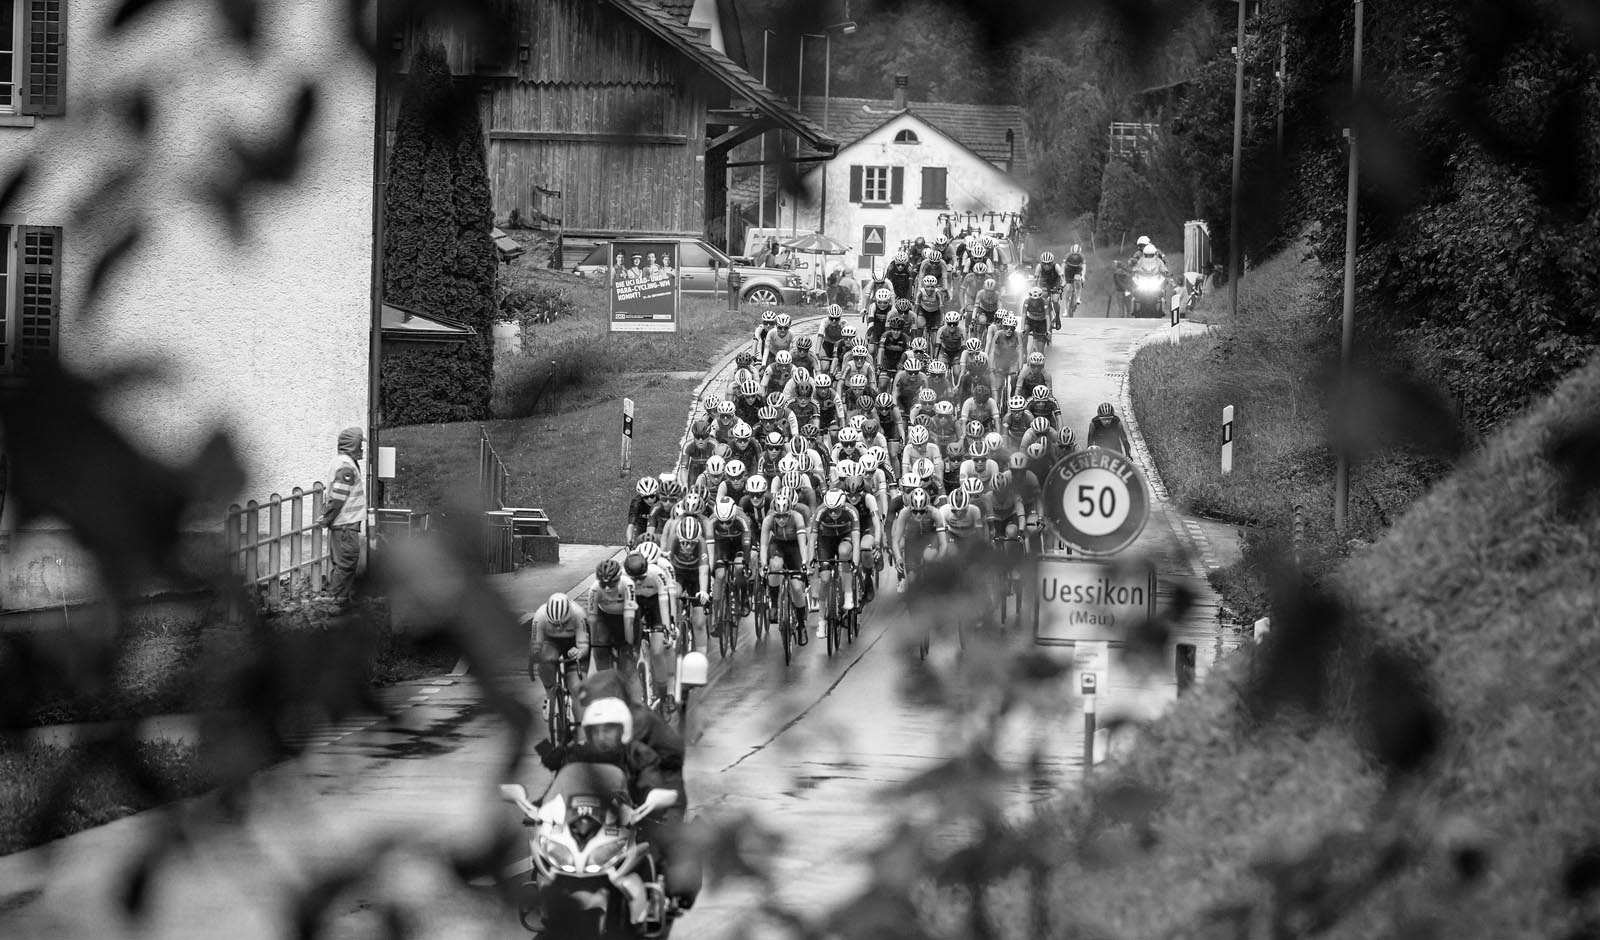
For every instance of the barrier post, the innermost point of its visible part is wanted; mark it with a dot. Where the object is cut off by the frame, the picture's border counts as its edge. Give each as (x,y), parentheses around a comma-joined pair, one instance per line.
(1227,439)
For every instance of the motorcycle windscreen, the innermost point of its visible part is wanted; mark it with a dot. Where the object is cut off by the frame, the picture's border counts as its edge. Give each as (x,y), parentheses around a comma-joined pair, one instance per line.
(593,780)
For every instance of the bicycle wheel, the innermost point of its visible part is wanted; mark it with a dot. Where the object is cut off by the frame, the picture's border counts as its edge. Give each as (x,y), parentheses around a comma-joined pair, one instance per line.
(786,624)
(760,614)
(556,724)
(683,713)
(721,620)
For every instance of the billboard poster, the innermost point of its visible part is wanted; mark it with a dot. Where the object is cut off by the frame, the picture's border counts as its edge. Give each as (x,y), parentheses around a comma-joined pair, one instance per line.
(644,287)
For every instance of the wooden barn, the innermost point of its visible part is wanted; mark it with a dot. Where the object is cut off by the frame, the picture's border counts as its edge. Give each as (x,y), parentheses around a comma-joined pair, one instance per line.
(616,117)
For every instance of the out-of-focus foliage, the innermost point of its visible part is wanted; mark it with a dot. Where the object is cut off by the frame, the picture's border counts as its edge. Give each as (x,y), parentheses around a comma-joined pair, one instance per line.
(438,254)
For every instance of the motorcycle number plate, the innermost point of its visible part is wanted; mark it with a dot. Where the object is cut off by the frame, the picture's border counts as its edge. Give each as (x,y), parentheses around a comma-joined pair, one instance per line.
(612,831)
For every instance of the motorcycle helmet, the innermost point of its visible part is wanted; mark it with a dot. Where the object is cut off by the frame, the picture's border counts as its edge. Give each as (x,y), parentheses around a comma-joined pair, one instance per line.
(1150,251)
(608,712)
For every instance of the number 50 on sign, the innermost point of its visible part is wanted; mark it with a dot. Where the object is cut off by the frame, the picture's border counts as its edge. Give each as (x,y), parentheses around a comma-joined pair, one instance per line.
(1097,501)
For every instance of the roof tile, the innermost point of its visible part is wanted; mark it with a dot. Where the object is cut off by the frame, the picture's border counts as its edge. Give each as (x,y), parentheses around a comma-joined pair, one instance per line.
(979,127)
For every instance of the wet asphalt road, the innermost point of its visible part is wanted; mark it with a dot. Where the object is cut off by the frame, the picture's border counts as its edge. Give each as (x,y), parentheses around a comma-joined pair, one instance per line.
(806,748)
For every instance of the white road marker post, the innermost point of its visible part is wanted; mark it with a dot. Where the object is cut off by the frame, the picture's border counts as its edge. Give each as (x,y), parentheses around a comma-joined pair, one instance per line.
(1087,684)
(1227,439)
(627,437)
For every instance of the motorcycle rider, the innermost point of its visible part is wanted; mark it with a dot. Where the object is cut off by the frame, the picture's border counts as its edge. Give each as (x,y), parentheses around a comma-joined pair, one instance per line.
(1106,430)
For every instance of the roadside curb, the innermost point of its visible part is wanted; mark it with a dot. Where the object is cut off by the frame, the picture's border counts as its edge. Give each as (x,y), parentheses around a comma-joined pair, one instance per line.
(1201,554)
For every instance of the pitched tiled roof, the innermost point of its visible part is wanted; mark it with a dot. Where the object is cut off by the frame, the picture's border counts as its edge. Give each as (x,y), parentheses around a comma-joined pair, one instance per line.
(658,21)
(981,128)
(678,8)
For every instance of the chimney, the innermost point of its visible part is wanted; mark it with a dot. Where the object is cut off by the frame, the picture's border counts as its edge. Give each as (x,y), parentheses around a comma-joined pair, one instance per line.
(900,82)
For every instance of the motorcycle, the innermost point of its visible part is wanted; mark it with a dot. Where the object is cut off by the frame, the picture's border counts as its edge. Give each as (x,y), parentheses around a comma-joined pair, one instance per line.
(587,862)
(1149,295)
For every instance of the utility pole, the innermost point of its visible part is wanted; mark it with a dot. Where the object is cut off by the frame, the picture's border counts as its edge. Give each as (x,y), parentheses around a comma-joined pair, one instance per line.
(1341,481)
(1238,147)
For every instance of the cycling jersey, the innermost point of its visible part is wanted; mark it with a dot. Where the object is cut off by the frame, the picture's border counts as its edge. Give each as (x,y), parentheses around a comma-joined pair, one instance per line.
(747,408)
(1043,408)
(1016,423)
(688,553)
(785,527)
(1037,317)
(735,530)
(546,629)
(899,276)
(952,338)
(1050,277)
(915,526)
(1107,432)
(1030,378)
(930,301)
(983,470)
(779,340)
(698,451)
(639,513)
(837,523)
(610,600)
(962,525)
(988,300)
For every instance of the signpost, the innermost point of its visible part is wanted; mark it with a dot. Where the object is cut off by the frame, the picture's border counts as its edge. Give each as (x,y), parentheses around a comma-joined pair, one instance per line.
(645,290)
(1227,439)
(1097,501)
(873,240)
(1089,662)
(1079,600)
(627,435)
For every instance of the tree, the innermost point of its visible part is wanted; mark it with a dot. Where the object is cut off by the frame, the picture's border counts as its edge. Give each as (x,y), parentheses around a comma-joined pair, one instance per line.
(438,256)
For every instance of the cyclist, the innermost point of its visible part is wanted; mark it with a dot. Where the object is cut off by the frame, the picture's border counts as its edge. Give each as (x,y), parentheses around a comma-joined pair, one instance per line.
(744,369)
(743,447)
(981,408)
(939,381)
(986,302)
(785,534)
(888,418)
(778,373)
(930,477)
(919,446)
(1036,321)
(828,415)
(701,447)
(711,480)
(858,398)
(831,334)
(1106,430)
(951,339)
(730,547)
(1072,268)
(671,492)
(903,310)
(1003,345)
(900,273)
(859,363)
(1016,421)
(747,400)
(962,520)
(876,317)
(646,495)
(892,346)
(836,536)
(608,631)
(779,339)
(733,482)
(769,319)
(804,358)
(930,303)
(973,374)
(776,420)
(1040,432)
(773,449)
(801,403)
(1042,404)
(907,385)
(946,427)
(918,531)
(727,420)
(1025,483)
(979,465)
(933,265)
(649,599)
(553,638)
(757,499)
(1052,281)
(865,492)
(684,545)
(1032,376)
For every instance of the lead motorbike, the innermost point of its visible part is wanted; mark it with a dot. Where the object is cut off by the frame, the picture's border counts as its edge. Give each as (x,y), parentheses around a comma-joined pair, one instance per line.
(1150,293)
(588,863)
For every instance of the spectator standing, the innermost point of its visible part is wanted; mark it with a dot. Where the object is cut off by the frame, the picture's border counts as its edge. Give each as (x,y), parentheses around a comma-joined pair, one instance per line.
(344,515)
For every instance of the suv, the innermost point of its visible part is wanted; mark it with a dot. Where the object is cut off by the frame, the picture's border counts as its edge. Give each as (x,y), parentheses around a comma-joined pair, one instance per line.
(703,271)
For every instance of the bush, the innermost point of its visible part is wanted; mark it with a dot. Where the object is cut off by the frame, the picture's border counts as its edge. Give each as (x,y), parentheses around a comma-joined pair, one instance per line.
(426,386)
(536,306)
(532,383)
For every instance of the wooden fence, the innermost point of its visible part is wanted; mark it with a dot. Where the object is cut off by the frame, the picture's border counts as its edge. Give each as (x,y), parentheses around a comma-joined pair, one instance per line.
(273,555)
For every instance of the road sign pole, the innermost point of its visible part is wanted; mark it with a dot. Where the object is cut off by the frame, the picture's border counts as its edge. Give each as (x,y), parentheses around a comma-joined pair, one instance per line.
(1227,439)
(1088,731)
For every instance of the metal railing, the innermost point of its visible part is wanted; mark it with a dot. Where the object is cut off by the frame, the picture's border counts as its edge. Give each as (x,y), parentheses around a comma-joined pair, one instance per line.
(275,557)
(493,478)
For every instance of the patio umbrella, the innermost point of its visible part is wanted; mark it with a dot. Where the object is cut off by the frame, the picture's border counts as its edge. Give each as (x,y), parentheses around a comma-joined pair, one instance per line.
(816,244)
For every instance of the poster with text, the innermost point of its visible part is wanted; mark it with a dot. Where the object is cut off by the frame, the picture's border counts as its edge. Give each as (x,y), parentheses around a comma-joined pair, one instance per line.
(644,287)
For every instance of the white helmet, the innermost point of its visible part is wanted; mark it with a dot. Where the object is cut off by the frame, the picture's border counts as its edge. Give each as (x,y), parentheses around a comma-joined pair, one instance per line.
(716,466)
(558,607)
(609,711)
(726,507)
(784,321)
(1143,241)
(1150,251)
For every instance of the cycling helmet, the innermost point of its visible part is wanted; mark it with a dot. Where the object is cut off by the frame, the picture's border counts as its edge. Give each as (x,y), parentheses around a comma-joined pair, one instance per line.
(849,435)
(910,481)
(745,359)
(701,428)
(918,500)
(990,284)
(635,565)
(1036,293)
(972,485)
(725,408)
(858,381)
(1105,410)
(768,316)
(979,448)
(1009,320)
(649,551)
(798,446)
(775,400)
(937,367)
(756,485)
(1036,449)
(802,385)
(736,468)
(802,343)
(1143,241)
(1002,480)
(1041,392)
(902,257)
(1036,359)
(959,500)
(784,321)
(1068,439)
(972,344)
(784,357)
(974,428)
(928,254)
(859,349)
(692,505)
(883,295)
(716,466)
(749,388)
(1150,251)
(813,462)
(1041,424)
(979,359)
(849,331)
(869,426)
(941,241)
(672,490)
(743,432)
(558,608)
(1047,258)
(879,451)
(927,396)
(782,503)
(709,404)
(952,317)
(791,479)
(788,463)
(944,408)
(987,242)
(834,499)
(911,364)
(1018,461)
(810,430)
(924,467)
(607,571)
(919,436)
(648,486)
(849,468)
(767,413)
(928,281)
(903,305)
(609,711)
(1017,403)
(824,381)
(982,267)
(884,400)
(994,440)
(897,322)
(835,311)
(725,509)
(774,440)
(689,528)
(919,345)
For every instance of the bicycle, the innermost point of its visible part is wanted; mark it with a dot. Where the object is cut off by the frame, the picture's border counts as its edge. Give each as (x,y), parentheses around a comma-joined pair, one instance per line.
(683,620)
(560,720)
(644,665)
(834,616)
(725,618)
(786,621)
(1013,578)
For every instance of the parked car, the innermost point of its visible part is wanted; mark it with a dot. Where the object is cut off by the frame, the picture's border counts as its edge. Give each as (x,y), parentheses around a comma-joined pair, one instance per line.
(703,271)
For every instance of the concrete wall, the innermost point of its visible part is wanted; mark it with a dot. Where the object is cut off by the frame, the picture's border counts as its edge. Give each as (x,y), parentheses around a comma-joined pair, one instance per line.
(972,184)
(266,338)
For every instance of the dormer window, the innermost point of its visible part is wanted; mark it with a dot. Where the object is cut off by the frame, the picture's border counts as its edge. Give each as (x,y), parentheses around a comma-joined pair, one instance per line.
(906,137)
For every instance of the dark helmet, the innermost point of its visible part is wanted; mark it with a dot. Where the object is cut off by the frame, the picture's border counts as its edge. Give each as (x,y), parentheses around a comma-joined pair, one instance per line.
(607,571)
(635,565)
(1105,410)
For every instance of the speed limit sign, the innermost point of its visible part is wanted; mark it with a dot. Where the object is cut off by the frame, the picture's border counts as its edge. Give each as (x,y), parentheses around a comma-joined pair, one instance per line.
(1097,501)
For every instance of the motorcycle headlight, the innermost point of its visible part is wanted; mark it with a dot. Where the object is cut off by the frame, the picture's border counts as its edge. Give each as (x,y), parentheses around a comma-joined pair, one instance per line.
(558,855)
(792,280)
(605,855)
(1147,282)
(1017,281)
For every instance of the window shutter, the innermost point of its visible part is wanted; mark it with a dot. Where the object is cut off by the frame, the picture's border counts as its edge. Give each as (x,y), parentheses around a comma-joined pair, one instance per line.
(897,185)
(44,56)
(934,178)
(855,184)
(927,188)
(38,293)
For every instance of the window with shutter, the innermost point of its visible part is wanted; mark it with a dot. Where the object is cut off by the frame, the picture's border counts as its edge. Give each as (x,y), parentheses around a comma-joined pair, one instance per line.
(897,185)
(44,56)
(32,322)
(933,188)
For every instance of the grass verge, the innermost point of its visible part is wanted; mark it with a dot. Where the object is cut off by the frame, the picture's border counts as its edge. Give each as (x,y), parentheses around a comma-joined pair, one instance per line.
(1264,365)
(1489,582)
(98,793)
(566,463)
